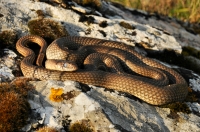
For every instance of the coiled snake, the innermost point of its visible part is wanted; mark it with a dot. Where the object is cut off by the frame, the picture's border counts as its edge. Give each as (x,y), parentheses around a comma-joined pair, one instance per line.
(161,85)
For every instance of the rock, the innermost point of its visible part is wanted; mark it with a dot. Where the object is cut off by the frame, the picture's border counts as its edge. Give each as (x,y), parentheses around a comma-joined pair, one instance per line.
(60,104)
(195,83)
(141,34)
(81,9)
(7,62)
(165,24)
(107,111)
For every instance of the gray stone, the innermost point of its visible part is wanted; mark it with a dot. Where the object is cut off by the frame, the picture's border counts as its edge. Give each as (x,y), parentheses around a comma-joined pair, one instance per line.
(106,111)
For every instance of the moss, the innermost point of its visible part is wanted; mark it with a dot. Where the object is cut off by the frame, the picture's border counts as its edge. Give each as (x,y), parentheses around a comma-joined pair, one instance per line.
(94,3)
(81,126)
(174,115)
(69,95)
(102,32)
(196,29)
(178,107)
(84,18)
(192,96)
(47,28)
(66,122)
(126,25)
(8,39)
(14,108)
(19,85)
(40,13)
(47,129)
(134,33)
(56,95)
(88,31)
(191,51)
(103,24)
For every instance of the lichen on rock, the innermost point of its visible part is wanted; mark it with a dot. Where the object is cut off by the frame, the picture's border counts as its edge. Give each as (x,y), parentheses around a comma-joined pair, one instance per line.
(56,94)
(107,111)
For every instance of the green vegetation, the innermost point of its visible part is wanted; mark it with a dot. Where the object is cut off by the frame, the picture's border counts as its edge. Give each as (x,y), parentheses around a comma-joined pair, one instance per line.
(186,10)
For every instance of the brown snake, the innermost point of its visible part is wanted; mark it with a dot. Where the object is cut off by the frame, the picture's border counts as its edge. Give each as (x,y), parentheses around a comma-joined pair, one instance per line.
(154,88)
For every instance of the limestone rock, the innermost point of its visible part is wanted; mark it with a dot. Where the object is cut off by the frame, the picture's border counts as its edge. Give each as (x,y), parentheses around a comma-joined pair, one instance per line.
(150,37)
(58,104)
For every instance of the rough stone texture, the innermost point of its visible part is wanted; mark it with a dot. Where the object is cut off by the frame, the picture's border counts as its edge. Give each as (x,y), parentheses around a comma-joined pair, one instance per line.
(6,63)
(107,111)
(167,25)
(15,17)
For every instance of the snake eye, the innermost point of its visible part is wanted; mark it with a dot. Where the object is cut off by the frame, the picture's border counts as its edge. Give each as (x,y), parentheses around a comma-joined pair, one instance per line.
(65,65)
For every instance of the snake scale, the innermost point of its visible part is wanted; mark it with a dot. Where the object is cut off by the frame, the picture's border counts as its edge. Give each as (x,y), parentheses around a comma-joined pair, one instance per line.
(151,81)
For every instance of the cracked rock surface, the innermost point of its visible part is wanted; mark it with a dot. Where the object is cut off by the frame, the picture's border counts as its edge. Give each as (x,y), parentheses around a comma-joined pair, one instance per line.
(103,109)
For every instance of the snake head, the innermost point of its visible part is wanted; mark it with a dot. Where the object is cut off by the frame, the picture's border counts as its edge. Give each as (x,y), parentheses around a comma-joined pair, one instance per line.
(61,65)
(68,66)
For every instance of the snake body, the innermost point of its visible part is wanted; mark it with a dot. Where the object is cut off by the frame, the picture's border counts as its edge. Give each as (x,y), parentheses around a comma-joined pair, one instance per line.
(154,88)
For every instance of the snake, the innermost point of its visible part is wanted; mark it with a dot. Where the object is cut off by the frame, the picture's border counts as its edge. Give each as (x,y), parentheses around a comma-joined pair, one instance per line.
(143,77)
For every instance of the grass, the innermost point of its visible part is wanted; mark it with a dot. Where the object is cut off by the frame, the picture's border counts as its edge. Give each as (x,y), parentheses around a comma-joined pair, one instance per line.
(186,10)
